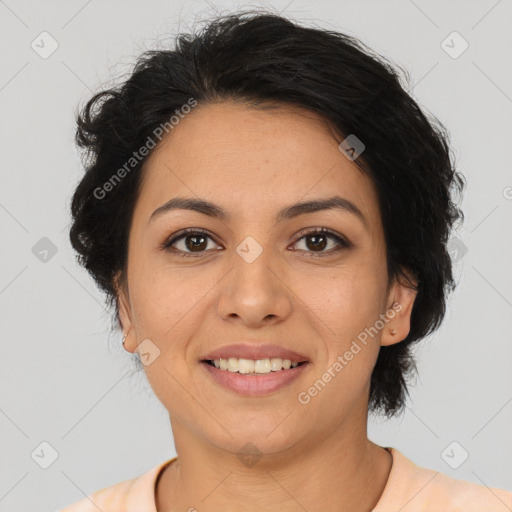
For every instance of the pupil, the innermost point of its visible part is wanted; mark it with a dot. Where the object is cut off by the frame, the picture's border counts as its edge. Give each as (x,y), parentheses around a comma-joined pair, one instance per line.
(315,237)
(200,245)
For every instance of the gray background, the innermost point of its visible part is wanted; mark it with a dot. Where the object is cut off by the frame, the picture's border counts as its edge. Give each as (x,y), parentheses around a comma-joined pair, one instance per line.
(66,381)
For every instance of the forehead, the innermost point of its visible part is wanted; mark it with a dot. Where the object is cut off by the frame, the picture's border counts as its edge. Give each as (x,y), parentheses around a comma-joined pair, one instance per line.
(249,160)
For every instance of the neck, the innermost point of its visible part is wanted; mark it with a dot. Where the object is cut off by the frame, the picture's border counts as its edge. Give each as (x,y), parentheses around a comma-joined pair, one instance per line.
(334,473)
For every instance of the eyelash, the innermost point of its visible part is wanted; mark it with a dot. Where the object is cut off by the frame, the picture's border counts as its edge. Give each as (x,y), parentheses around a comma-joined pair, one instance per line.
(344,244)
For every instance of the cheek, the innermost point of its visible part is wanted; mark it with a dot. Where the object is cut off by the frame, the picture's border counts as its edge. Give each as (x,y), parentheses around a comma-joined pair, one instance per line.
(343,317)
(167,301)
(347,300)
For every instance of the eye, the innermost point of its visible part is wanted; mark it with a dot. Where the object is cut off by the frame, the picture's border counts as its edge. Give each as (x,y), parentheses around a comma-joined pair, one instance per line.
(194,240)
(317,243)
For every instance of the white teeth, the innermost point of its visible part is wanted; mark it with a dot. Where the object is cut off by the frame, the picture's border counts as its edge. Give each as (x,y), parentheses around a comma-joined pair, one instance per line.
(246,366)
(276,364)
(261,366)
(232,364)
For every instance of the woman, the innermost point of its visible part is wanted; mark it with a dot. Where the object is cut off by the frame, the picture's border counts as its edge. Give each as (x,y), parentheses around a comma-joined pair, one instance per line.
(268,211)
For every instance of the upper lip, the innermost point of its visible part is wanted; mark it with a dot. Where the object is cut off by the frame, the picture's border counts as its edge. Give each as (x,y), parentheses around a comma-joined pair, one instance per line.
(252,351)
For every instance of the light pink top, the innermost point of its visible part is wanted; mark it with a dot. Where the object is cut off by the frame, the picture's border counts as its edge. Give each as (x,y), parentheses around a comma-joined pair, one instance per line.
(410,488)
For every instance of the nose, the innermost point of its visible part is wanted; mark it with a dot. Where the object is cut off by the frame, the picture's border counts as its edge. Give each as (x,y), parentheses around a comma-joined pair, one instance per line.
(254,293)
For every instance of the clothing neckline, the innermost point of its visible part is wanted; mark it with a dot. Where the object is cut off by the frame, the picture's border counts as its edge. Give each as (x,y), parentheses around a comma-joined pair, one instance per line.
(159,473)
(384,497)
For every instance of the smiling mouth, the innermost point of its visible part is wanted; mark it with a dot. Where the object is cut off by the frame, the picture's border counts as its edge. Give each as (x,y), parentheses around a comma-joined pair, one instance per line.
(253,366)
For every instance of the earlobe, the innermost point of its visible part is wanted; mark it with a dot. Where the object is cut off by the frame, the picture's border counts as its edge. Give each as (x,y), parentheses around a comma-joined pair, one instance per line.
(402,299)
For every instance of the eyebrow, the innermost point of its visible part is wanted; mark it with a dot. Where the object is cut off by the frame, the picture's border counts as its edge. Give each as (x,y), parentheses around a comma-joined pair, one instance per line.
(289,212)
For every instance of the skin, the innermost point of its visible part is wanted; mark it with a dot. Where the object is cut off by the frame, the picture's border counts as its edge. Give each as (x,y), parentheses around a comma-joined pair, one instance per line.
(253,163)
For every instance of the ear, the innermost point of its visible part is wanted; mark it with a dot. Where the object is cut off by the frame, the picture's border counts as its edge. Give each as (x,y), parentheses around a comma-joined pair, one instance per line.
(123,301)
(400,302)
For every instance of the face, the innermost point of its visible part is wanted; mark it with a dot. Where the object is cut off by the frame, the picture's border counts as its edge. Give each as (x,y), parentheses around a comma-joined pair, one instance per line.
(255,277)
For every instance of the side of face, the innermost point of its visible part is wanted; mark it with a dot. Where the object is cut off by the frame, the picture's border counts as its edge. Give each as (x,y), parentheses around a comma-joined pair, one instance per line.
(313,299)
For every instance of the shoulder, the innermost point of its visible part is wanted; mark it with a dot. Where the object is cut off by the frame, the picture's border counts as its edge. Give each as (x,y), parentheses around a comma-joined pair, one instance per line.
(411,488)
(105,499)
(467,496)
(128,495)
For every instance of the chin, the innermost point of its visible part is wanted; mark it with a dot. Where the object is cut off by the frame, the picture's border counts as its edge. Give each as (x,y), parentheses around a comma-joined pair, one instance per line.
(246,439)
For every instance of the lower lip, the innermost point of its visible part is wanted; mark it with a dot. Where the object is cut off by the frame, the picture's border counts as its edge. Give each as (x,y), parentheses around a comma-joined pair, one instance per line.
(254,384)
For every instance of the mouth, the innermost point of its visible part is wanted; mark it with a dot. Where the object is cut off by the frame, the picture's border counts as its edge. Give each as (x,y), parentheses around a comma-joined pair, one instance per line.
(253,378)
(253,369)
(253,366)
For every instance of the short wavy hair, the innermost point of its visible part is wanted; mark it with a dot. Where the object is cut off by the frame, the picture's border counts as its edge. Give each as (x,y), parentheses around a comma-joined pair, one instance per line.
(260,58)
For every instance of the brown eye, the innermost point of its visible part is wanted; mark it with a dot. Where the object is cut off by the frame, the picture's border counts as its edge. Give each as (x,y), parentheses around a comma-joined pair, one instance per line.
(316,240)
(192,241)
